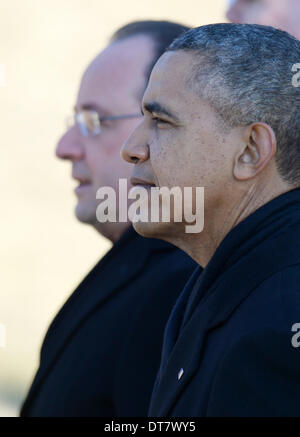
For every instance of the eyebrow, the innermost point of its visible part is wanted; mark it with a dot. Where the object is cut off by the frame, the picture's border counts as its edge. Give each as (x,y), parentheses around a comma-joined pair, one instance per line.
(157,108)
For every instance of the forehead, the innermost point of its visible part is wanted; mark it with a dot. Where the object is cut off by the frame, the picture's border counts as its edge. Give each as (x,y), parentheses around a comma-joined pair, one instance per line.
(168,84)
(118,72)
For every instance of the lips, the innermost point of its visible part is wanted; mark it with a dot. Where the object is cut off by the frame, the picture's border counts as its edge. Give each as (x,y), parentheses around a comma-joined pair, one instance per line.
(83,184)
(81,179)
(141,182)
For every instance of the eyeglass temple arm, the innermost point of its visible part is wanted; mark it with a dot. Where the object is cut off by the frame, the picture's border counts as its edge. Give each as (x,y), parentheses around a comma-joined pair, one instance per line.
(119,117)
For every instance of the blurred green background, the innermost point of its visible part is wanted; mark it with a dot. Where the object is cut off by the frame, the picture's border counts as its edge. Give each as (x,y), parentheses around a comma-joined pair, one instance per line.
(44,48)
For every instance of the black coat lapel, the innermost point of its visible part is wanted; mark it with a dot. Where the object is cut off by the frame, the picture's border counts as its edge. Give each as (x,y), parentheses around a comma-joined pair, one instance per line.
(216,306)
(174,324)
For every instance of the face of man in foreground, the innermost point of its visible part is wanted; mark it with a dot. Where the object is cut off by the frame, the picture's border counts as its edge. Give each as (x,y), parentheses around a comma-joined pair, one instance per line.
(282,14)
(180,142)
(112,85)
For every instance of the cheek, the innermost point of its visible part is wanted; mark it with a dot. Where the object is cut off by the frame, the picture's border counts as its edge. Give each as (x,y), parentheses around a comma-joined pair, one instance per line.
(251,13)
(169,158)
(104,150)
(162,156)
(106,165)
(99,160)
(187,160)
(264,14)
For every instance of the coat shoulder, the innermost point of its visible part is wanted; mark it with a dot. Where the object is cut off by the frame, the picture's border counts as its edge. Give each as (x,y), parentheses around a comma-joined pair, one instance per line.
(258,373)
(259,376)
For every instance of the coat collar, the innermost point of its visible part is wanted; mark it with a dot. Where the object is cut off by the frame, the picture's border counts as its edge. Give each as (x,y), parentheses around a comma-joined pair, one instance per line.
(124,261)
(211,298)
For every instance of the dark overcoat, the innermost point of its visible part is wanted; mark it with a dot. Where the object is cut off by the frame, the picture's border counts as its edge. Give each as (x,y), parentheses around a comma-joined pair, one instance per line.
(232,343)
(101,353)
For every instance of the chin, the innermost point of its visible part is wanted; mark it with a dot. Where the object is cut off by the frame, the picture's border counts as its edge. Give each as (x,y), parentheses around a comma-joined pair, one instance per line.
(153,230)
(85,215)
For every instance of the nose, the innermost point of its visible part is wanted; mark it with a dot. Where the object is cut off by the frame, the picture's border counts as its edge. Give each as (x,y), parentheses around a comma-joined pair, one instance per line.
(135,149)
(70,146)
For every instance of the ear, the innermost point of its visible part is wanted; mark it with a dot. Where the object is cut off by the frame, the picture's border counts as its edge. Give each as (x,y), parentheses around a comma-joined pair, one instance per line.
(259,147)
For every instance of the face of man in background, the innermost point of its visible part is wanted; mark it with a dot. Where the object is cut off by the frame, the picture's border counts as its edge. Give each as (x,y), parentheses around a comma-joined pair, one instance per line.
(282,14)
(111,86)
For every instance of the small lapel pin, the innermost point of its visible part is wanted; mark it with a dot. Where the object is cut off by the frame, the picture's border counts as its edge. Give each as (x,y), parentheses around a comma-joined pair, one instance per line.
(180,373)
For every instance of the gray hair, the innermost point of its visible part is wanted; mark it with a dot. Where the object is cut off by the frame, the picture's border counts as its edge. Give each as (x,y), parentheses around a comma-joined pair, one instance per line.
(245,72)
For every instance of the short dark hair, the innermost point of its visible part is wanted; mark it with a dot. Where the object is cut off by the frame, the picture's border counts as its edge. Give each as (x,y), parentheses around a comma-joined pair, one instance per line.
(161,32)
(246,73)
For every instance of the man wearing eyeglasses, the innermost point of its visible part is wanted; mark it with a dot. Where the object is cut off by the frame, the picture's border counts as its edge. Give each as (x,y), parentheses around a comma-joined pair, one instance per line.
(101,353)
(282,14)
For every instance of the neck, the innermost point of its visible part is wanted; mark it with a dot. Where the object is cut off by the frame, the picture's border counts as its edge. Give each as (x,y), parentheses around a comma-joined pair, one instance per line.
(220,220)
(112,231)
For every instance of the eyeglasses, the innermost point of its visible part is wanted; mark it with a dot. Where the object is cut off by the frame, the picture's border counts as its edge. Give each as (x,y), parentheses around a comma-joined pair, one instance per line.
(89,121)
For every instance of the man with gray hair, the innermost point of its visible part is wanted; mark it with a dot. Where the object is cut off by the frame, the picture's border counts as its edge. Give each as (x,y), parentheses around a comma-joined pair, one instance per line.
(221,111)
